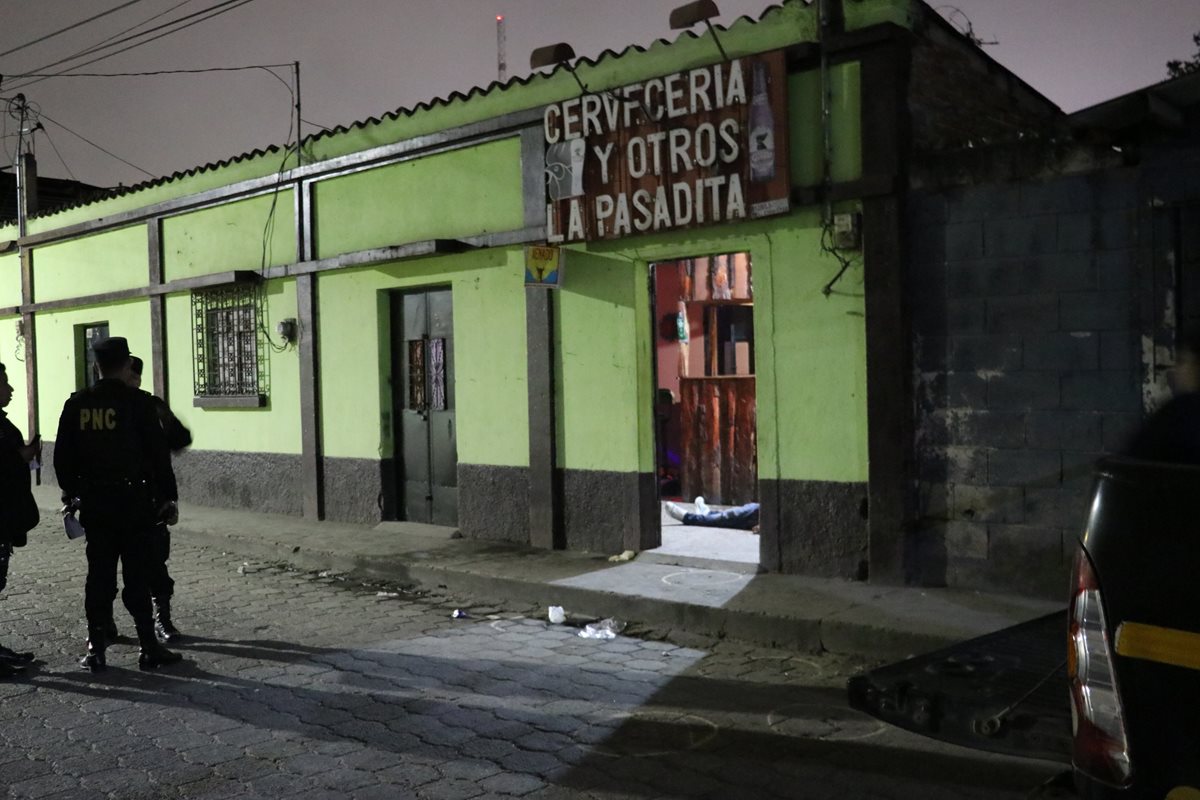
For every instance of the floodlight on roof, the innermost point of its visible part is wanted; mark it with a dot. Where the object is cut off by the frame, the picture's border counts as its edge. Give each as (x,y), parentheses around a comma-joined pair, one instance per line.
(687,15)
(553,55)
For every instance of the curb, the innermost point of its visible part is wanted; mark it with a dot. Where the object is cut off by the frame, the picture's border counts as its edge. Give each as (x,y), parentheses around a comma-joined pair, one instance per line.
(654,616)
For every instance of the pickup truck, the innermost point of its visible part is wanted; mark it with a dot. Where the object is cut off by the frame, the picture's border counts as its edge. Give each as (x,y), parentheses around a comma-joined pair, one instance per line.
(1111,685)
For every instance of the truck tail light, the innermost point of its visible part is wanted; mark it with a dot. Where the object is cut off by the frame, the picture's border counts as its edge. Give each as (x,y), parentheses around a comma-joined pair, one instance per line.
(1101,749)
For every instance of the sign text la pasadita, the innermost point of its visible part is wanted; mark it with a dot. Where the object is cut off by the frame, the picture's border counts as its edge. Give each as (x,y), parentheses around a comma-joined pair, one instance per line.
(671,152)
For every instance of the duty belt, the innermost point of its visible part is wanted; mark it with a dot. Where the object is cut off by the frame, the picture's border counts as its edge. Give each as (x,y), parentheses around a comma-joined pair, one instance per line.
(114,483)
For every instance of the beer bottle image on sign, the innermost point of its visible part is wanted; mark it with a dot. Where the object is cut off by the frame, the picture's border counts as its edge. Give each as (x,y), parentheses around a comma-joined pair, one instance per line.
(762,129)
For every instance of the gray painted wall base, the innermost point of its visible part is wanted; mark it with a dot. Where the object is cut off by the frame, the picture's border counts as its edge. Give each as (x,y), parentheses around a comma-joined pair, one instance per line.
(264,482)
(814,528)
(355,488)
(493,503)
(808,527)
(47,471)
(598,514)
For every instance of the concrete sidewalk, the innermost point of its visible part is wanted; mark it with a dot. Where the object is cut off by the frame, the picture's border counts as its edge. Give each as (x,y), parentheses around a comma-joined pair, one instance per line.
(780,610)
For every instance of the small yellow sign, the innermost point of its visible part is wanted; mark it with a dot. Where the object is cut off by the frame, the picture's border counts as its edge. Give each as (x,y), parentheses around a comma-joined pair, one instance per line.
(544,266)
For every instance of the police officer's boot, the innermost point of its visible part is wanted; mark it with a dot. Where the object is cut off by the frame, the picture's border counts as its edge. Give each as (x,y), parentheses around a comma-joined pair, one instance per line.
(153,654)
(93,660)
(164,629)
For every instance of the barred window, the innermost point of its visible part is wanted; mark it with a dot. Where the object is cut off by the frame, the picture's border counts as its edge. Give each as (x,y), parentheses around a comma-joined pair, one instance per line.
(229,360)
(87,372)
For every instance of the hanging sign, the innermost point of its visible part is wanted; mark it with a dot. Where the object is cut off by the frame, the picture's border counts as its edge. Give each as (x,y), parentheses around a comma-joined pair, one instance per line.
(702,147)
(544,266)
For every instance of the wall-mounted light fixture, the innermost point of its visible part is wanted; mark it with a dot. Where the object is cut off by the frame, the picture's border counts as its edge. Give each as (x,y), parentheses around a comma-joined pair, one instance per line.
(287,329)
(553,55)
(689,14)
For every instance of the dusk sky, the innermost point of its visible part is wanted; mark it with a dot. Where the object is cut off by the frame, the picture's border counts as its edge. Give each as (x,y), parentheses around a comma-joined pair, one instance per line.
(363,58)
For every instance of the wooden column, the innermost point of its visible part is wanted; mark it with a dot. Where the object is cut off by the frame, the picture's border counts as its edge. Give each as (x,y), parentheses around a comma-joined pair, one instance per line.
(545,529)
(310,398)
(307,313)
(158,309)
(29,322)
(28,204)
(545,492)
(886,125)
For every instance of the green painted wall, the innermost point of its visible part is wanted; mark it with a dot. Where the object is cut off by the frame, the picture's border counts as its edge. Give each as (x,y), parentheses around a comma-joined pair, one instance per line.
(462,193)
(10,280)
(810,351)
(602,347)
(794,21)
(489,354)
(56,350)
(12,356)
(806,137)
(810,354)
(104,262)
(813,360)
(230,237)
(272,429)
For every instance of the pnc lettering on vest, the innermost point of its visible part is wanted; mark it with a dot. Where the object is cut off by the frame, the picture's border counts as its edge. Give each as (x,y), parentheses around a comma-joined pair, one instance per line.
(99,419)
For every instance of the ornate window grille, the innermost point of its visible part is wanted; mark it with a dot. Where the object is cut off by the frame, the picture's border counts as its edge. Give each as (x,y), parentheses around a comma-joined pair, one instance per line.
(228,345)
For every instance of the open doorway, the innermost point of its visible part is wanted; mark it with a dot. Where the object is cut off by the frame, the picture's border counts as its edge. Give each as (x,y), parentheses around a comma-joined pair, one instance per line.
(705,408)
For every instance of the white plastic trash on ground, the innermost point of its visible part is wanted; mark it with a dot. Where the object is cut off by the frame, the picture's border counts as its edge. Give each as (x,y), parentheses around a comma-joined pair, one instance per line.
(604,629)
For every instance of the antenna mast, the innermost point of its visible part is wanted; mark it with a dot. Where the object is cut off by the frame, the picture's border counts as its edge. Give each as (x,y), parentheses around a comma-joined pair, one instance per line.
(501,60)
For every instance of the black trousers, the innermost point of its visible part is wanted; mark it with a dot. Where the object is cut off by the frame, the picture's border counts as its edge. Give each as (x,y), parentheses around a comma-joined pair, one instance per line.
(162,586)
(130,546)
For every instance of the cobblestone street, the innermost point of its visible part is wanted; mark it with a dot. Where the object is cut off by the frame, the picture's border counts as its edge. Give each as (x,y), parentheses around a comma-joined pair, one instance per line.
(304,686)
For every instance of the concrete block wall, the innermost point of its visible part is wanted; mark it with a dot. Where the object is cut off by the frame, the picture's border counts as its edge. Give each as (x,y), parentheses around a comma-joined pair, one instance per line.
(1027,368)
(959,97)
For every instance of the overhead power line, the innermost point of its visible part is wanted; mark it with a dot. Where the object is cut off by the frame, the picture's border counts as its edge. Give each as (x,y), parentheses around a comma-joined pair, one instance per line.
(61,160)
(196,18)
(98,147)
(266,67)
(70,27)
(146,21)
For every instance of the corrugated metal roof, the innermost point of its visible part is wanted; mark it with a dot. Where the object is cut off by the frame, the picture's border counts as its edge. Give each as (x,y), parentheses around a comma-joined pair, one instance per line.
(1160,103)
(476,91)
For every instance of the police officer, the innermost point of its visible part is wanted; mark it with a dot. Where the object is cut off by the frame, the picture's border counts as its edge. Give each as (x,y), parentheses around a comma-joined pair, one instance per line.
(111,458)
(18,510)
(162,586)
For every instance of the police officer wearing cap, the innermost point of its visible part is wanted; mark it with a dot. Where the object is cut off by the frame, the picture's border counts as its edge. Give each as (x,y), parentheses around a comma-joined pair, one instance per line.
(18,510)
(111,459)
(162,586)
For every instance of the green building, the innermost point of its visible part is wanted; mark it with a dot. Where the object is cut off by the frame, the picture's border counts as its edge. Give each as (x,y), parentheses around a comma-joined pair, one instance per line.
(373,328)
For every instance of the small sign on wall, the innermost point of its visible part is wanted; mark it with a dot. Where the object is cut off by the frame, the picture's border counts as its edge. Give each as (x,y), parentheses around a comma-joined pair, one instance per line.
(544,266)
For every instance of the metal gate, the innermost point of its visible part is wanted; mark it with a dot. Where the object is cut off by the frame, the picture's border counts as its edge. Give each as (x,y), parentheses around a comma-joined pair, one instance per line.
(423,402)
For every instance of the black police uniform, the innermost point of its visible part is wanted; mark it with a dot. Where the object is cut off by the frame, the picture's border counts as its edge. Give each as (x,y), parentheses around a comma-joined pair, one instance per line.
(162,585)
(111,454)
(18,515)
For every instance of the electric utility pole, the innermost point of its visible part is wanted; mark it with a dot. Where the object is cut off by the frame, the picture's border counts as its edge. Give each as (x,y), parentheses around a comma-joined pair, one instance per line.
(501,60)
(25,165)
(27,203)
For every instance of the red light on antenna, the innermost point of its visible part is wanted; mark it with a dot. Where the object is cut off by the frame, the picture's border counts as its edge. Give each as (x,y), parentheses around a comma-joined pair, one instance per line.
(499,18)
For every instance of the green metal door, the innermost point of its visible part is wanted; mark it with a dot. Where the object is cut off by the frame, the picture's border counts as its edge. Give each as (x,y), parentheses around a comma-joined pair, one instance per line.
(427,452)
